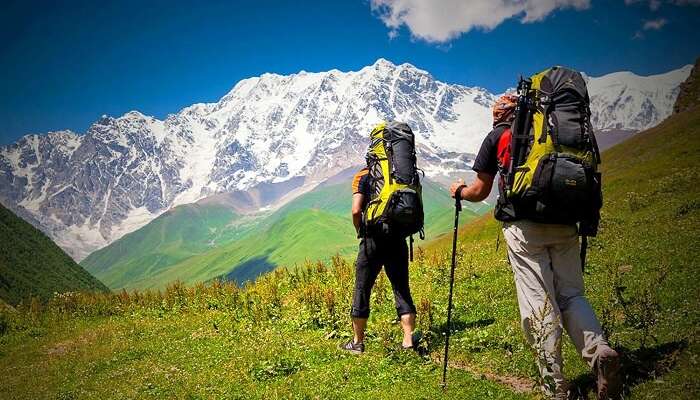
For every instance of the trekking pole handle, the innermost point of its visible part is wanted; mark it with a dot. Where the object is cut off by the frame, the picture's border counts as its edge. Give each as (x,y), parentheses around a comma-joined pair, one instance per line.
(458,198)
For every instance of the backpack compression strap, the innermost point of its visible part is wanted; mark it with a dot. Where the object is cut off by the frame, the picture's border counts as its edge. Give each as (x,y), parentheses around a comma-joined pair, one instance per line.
(584,247)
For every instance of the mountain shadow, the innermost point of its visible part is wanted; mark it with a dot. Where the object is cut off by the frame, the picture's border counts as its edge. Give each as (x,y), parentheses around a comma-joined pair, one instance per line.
(249,270)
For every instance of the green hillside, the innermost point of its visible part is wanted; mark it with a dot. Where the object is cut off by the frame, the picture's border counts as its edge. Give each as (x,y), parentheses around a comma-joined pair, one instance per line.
(278,337)
(173,236)
(176,235)
(199,242)
(33,265)
(294,237)
(689,96)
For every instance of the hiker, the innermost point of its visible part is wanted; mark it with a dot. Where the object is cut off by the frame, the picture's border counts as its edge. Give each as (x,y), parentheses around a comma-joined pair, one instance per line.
(544,257)
(391,173)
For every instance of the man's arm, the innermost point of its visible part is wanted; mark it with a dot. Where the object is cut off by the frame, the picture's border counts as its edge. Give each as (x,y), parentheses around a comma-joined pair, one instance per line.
(477,191)
(358,200)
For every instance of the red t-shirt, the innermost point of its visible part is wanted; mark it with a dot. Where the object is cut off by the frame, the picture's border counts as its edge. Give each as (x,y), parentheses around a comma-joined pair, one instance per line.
(494,154)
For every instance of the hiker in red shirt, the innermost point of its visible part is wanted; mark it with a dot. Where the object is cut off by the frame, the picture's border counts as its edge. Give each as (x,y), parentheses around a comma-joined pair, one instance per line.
(546,265)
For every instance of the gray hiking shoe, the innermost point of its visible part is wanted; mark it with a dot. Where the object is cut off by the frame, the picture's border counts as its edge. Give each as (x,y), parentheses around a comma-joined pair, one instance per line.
(608,374)
(352,347)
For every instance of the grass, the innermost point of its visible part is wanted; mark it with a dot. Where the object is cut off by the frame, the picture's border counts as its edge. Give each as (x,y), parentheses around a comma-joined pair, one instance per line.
(22,275)
(277,337)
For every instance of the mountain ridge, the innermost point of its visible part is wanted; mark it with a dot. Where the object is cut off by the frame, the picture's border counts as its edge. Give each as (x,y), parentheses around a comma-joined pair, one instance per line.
(85,191)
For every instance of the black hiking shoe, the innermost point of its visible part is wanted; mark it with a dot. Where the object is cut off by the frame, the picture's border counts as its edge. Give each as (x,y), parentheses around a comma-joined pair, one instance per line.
(416,347)
(413,349)
(352,347)
(415,339)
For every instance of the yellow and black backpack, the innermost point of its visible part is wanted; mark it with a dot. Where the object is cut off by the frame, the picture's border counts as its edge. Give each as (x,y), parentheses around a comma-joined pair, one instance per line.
(395,206)
(552,176)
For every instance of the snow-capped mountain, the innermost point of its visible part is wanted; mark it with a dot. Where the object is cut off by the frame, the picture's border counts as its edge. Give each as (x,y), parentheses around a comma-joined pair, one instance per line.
(86,191)
(623,101)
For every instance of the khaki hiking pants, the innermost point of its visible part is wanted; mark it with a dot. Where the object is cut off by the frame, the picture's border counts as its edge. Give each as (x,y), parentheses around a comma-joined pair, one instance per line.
(546,264)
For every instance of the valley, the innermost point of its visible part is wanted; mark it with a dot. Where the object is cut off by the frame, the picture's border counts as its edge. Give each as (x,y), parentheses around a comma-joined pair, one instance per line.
(209,240)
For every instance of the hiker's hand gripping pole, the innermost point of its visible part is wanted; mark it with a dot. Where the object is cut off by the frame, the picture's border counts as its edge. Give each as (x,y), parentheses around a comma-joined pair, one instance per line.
(458,209)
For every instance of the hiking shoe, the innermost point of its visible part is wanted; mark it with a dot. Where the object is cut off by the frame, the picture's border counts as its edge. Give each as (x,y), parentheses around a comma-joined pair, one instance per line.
(608,374)
(416,339)
(420,351)
(354,348)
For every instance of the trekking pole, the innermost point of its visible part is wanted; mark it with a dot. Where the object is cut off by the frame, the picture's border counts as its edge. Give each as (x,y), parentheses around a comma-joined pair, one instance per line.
(458,208)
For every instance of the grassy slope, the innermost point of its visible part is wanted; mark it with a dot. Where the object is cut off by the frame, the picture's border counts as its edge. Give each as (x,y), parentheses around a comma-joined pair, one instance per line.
(176,235)
(270,340)
(298,235)
(31,264)
(194,243)
(689,95)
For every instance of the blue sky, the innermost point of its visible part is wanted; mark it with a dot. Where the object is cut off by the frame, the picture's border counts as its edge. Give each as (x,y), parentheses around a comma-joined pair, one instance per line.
(62,66)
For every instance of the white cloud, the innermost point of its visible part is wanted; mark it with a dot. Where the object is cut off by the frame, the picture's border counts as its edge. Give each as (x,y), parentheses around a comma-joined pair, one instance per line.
(439,21)
(654,24)
(650,25)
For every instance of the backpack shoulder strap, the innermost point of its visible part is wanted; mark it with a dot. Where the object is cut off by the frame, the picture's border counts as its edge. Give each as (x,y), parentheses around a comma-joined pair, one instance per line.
(503,145)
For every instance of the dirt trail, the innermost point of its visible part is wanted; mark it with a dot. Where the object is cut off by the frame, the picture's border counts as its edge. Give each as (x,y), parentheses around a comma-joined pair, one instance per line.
(516,383)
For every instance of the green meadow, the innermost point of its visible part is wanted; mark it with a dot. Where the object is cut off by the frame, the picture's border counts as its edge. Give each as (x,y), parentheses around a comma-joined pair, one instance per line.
(277,337)
(200,242)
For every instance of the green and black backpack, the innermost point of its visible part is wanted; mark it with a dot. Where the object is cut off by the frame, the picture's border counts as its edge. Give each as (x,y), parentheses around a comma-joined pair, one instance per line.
(395,206)
(552,175)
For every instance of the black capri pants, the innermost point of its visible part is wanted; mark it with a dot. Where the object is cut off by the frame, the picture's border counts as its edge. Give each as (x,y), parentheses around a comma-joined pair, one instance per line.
(375,252)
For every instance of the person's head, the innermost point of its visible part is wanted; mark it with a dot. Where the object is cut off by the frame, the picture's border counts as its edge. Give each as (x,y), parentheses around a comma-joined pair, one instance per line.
(504,109)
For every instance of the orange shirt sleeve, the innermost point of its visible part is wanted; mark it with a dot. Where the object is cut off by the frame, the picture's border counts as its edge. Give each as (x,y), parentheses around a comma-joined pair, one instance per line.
(356,180)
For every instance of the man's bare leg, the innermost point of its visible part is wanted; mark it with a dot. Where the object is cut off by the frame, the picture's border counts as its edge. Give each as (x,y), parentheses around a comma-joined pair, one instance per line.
(358,329)
(408,324)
